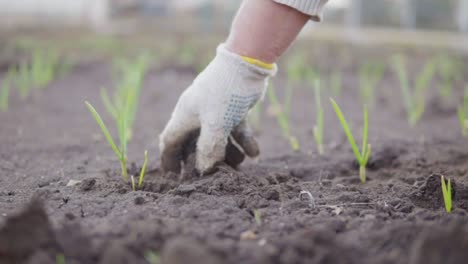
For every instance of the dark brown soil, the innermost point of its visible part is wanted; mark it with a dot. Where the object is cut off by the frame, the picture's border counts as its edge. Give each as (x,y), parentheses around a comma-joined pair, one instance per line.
(398,216)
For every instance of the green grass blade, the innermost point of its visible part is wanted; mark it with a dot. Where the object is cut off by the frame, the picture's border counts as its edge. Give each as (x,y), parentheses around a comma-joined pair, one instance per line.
(280,116)
(318,98)
(447,194)
(108,104)
(143,170)
(5,94)
(318,128)
(346,129)
(399,66)
(152,257)
(462,120)
(123,134)
(288,98)
(368,154)
(465,100)
(365,133)
(424,78)
(104,129)
(60,259)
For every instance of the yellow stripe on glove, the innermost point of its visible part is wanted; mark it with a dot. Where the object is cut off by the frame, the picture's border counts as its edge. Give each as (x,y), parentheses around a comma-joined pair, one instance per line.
(258,63)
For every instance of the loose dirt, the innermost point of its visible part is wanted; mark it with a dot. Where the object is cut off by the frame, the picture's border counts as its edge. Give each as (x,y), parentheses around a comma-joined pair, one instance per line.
(61,193)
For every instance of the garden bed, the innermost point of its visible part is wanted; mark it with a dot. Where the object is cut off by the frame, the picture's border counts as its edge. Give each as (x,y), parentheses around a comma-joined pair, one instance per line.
(61,194)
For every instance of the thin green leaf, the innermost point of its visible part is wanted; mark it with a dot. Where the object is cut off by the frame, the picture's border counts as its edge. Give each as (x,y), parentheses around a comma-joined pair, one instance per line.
(108,104)
(104,129)
(280,115)
(143,170)
(367,155)
(446,193)
(288,98)
(346,129)
(5,94)
(462,120)
(399,65)
(365,133)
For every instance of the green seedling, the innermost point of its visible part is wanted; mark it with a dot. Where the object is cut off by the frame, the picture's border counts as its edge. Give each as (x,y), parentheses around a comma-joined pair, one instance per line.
(5,90)
(463,113)
(4,95)
(258,217)
(119,152)
(124,103)
(448,69)
(143,170)
(42,69)
(152,257)
(362,156)
(296,68)
(288,99)
(414,99)
(295,73)
(318,128)
(310,73)
(447,193)
(370,74)
(23,80)
(123,109)
(282,117)
(60,259)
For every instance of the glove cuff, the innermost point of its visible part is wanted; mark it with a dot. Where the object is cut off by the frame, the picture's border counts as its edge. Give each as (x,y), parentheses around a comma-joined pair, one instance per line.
(236,59)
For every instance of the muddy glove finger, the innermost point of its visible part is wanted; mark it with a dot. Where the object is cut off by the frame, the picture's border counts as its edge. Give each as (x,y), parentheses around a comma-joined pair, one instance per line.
(172,140)
(243,135)
(234,156)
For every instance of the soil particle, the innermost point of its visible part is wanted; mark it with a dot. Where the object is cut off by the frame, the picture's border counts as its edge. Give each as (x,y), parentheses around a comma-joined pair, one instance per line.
(117,253)
(87,184)
(139,200)
(184,250)
(185,190)
(314,246)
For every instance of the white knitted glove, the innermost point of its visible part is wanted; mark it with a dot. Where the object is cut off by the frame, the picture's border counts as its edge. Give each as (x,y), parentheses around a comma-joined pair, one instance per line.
(217,102)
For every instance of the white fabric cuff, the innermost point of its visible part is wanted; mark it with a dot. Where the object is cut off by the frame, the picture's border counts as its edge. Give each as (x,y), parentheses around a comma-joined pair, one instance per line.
(313,8)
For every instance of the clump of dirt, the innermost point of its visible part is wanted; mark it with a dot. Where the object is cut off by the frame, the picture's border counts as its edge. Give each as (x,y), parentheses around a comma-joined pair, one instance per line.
(26,234)
(441,244)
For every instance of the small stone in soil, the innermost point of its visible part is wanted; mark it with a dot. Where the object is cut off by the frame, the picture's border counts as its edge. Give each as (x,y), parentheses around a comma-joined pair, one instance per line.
(87,184)
(186,250)
(70,216)
(43,184)
(139,200)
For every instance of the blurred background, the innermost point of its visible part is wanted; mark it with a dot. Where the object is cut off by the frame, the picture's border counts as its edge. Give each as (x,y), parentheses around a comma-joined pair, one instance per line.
(439,23)
(215,15)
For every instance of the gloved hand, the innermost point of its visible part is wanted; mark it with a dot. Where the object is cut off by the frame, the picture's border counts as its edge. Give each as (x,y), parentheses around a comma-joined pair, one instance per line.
(217,102)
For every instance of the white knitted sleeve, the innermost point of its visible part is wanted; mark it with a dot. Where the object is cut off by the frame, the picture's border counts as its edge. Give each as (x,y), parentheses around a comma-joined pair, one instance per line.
(310,7)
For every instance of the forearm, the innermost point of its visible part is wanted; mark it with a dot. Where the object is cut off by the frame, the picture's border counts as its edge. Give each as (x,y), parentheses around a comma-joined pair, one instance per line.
(264,29)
